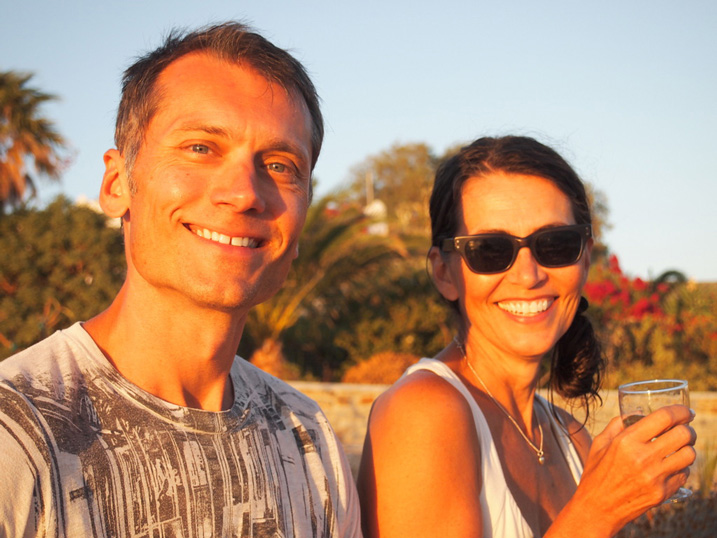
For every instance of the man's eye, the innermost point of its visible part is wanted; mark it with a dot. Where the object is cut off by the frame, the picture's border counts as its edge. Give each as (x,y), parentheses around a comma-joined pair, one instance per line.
(200,148)
(277,167)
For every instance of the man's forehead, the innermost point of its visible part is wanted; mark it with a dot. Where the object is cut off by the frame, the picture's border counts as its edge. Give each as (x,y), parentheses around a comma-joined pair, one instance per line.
(186,67)
(197,67)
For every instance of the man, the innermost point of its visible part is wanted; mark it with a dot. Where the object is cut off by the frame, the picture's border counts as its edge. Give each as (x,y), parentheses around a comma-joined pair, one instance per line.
(141,421)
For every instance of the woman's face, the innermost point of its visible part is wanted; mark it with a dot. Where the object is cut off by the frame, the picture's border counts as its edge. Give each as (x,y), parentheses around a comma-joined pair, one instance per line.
(526,309)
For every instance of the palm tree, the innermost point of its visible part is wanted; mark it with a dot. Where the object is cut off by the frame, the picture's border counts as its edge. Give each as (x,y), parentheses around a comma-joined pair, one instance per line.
(335,249)
(26,139)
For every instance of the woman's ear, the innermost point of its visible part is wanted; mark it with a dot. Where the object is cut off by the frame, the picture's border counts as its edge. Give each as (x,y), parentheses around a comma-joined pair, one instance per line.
(442,275)
(115,193)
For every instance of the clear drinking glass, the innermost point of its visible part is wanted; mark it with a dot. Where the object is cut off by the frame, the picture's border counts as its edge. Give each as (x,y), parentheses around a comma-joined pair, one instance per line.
(641,398)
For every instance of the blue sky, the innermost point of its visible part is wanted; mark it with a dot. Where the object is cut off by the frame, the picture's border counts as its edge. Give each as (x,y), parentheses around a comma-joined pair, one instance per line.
(625,90)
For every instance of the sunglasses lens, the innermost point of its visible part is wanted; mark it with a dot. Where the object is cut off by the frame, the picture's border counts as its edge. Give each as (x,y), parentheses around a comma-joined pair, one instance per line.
(491,254)
(558,248)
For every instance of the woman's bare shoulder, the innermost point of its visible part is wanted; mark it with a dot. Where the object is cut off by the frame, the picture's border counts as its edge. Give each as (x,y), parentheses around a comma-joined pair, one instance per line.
(423,395)
(420,469)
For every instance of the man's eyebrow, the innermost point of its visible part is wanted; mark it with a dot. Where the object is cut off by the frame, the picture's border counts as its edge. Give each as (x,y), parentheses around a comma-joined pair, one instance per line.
(209,129)
(280,144)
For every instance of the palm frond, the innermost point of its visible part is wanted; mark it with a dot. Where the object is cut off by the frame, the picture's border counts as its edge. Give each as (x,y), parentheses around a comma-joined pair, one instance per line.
(27,139)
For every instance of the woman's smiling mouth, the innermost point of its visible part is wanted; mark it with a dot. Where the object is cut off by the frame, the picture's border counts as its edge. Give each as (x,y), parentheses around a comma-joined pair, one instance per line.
(525,308)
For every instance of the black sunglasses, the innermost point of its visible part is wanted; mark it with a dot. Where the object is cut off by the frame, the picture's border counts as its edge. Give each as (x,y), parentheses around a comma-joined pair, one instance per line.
(494,253)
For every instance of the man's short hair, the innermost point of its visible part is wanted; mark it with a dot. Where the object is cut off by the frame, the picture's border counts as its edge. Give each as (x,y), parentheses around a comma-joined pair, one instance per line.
(231,41)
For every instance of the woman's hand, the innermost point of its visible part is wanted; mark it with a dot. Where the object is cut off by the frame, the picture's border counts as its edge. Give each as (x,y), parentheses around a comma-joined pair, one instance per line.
(629,470)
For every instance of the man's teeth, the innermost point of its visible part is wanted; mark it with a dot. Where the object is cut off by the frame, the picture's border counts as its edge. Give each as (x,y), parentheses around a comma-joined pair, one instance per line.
(225,239)
(525,308)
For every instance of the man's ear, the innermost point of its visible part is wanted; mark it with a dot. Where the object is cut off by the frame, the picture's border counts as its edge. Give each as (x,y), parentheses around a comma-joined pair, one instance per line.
(114,192)
(442,275)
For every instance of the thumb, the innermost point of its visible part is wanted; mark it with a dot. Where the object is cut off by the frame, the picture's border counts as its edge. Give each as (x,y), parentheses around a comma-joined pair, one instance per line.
(605,437)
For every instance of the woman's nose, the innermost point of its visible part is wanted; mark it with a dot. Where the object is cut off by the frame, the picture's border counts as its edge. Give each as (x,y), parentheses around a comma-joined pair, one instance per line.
(526,270)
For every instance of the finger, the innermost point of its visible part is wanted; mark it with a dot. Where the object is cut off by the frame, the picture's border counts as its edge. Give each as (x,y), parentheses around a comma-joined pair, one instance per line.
(676,481)
(612,430)
(675,445)
(681,414)
(660,421)
(661,464)
(680,460)
(675,438)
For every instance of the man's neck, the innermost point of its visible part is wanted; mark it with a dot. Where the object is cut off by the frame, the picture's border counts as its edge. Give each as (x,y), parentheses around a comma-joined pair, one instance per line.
(171,348)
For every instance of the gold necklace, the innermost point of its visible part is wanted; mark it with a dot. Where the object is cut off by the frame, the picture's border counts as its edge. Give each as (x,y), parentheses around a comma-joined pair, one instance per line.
(538,451)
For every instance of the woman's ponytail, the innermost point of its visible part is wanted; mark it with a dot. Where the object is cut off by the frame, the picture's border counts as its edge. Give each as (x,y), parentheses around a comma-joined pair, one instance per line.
(578,364)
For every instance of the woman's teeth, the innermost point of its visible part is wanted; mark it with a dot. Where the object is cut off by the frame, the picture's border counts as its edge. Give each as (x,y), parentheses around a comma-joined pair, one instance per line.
(525,308)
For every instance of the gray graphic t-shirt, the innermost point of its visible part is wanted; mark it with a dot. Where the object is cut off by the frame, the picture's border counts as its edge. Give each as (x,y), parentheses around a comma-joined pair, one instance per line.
(84,452)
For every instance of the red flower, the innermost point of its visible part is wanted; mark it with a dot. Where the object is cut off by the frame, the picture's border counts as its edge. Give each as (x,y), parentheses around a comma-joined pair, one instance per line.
(614,264)
(641,308)
(639,284)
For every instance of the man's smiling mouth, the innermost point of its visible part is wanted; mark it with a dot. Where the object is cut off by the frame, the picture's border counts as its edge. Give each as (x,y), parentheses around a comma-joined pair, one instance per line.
(217,237)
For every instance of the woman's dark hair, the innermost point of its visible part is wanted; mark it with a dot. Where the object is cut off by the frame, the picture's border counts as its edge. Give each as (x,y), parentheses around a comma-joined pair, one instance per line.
(577,362)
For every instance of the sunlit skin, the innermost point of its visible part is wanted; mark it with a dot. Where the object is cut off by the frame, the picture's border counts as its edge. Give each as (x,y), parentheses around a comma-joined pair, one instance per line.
(222,190)
(514,319)
(420,473)
(499,331)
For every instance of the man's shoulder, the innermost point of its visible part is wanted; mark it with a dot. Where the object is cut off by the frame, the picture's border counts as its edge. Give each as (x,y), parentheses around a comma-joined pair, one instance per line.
(55,344)
(271,387)
(43,364)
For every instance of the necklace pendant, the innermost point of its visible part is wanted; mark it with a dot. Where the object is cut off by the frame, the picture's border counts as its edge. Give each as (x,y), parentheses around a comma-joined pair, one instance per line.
(538,450)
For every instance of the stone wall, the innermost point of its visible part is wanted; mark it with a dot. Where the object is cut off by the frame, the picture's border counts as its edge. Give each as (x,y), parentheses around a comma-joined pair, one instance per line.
(347,407)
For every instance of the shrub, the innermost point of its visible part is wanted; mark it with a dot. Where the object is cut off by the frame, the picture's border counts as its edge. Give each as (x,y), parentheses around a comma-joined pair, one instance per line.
(382,368)
(59,265)
(660,328)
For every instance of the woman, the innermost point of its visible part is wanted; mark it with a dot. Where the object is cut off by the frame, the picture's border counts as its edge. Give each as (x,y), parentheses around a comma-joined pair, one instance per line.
(461,445)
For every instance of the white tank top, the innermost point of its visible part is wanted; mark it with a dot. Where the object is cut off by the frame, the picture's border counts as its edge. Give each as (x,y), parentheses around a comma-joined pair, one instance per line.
(504,519)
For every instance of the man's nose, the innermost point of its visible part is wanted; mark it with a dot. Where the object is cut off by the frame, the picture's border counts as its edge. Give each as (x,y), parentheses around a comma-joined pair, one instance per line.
(239,185)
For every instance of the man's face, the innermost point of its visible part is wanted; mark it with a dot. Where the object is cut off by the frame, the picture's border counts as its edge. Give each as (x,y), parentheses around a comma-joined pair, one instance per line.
(222,181)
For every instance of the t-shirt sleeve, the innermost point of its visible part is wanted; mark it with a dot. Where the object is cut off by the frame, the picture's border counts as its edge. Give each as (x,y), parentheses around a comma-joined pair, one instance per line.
(351,525)
(349,511)
(22,507)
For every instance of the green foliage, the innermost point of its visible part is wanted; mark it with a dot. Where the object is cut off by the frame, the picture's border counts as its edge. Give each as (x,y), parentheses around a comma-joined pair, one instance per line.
(390,308)
(27,139)
(59,265)
(399,310)
(663,328)
(402,178)
(383,368)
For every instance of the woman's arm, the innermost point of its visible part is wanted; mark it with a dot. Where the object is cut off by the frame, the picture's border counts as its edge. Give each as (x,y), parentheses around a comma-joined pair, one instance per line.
(628,471)
(420,472)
